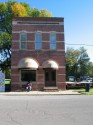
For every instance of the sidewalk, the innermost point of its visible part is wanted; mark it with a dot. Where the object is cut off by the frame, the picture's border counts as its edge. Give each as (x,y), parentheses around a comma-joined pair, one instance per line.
(66,92)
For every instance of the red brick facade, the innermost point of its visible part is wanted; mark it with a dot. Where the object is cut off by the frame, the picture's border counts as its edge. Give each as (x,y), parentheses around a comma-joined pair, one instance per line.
(45,26)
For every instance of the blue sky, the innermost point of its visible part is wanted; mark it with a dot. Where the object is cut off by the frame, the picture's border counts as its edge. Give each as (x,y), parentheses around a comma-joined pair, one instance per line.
(78,17)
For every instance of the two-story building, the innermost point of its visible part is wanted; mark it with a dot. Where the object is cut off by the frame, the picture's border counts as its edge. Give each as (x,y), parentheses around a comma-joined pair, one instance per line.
(38,53)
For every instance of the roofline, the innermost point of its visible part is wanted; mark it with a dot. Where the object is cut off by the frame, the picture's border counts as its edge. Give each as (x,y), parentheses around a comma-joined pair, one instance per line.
(58,19)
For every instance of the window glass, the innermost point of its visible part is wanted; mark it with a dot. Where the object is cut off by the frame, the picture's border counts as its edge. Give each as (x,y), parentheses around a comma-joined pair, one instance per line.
(53,75)
(52,41)
(38,43)
(46,75)
(53,46)
(23,45)
(28,75)
(23,38)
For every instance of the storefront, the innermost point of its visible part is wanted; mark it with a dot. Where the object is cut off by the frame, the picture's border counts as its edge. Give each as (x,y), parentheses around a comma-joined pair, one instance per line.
(38,53)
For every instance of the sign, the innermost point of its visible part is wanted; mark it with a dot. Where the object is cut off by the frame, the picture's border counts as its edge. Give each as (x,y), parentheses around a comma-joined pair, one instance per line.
(2,82)
(71,78)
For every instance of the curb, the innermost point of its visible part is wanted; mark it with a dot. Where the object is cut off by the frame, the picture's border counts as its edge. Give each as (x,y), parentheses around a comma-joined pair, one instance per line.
(38,94)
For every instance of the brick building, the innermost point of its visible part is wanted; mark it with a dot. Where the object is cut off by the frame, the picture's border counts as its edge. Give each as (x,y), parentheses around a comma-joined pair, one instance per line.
(38,53)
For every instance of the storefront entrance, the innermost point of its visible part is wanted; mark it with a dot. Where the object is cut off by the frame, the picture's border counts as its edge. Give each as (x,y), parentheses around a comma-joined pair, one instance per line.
(50,77)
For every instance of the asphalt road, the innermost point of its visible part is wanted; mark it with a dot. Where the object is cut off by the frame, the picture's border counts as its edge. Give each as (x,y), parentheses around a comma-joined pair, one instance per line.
(46,110)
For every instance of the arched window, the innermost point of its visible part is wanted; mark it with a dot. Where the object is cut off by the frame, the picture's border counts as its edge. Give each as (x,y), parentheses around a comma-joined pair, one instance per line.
(28,75)
(28,67)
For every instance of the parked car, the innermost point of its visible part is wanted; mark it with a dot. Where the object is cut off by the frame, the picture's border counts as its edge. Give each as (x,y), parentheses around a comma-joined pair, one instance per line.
(89,79)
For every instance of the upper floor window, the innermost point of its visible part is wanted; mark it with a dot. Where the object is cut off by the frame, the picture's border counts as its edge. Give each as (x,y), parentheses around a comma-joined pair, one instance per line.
(38,41)
(53,40)
(23,39)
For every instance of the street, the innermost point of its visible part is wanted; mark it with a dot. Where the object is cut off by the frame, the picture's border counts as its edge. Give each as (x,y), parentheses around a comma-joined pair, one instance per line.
(46,110)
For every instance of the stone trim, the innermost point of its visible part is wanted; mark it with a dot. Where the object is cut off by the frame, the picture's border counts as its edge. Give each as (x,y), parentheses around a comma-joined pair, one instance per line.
(40,67)
(61,82)
(62,67)
(14,22)
(14,67)
(15,50)
(18,83)
(40,74)
(37,31)
(39,83)
(36,23)
(61,74)
(39,50)
(14,74)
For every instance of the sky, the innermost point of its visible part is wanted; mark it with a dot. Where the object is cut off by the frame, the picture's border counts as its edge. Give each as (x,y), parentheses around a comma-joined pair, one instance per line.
(78,20)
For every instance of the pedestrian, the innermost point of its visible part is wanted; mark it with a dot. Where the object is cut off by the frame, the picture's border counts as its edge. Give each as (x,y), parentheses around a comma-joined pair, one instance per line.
(29,86)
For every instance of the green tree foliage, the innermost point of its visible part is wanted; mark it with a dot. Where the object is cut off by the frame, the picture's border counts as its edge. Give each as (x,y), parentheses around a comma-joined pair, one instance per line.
(77,62)
(18,10)
(72,57)
(8,10)
(40,13)
(90,69)
(83,61)
(44,13)
(34,12)
(27,7)
(5,43)
(5,17)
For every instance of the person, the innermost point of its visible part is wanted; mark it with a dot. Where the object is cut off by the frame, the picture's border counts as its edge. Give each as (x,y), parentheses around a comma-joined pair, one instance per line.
(29,86)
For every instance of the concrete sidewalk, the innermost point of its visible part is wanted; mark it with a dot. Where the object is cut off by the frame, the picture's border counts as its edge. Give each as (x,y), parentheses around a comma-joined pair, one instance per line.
(66,92)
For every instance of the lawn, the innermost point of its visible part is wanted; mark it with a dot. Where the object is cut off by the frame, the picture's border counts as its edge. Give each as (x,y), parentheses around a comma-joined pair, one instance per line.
(82,91)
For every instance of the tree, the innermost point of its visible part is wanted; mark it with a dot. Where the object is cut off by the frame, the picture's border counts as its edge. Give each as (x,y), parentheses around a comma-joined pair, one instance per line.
(5,43)
(83,61)
(40,13)
(34,12)
(90,69)
(18,10)
(27,7)
(8,10)
(71,61)
(44,13)
(76,62)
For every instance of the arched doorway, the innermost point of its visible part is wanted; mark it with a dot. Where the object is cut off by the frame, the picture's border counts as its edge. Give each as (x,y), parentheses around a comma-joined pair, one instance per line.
(50,77)
(50,68)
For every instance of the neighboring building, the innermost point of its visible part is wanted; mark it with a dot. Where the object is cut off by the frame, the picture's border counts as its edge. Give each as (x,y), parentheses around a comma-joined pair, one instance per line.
(38,53)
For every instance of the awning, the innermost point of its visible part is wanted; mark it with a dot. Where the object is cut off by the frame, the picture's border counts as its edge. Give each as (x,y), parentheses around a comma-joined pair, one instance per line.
(27,63)
(50,64)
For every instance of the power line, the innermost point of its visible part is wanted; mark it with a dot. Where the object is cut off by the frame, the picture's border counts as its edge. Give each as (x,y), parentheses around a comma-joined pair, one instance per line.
(78,44)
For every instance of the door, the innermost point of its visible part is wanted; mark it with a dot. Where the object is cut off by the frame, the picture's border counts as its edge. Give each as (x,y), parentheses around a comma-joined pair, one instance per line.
(50,77)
